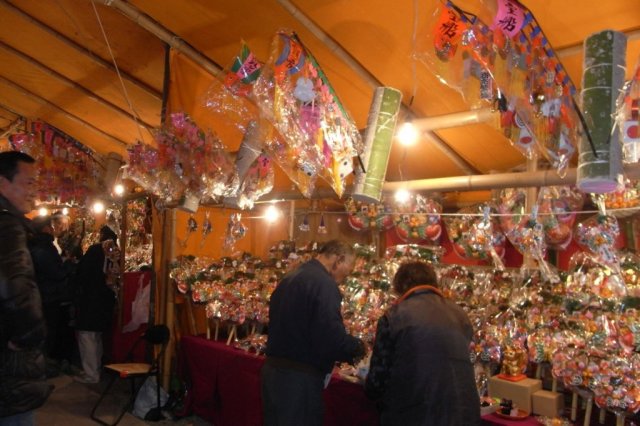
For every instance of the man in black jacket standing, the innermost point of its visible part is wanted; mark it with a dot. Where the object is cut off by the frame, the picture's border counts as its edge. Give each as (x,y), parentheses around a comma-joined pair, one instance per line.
(95,300)
(22,330)
(306,338)
(51,276)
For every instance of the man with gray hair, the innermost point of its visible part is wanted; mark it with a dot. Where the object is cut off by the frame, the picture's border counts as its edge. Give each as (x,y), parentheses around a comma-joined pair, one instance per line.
(306,337)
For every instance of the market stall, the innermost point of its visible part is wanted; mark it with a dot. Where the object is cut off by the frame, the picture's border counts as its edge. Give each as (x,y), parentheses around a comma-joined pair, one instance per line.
(523,191)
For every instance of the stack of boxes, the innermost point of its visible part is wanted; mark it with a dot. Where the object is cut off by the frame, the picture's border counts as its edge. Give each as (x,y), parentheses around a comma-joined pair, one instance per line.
(527,394)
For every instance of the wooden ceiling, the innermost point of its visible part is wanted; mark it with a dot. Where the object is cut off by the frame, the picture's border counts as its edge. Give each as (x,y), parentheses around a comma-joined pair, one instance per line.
(56,64)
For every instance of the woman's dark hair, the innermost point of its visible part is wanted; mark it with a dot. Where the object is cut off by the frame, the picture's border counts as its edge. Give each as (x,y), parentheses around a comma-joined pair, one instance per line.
(411,274)
(9,163)
(41,222)
(107,233)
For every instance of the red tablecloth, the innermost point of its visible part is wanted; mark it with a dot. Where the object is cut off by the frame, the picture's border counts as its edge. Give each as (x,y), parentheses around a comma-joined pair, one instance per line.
(226,388)
(492,419)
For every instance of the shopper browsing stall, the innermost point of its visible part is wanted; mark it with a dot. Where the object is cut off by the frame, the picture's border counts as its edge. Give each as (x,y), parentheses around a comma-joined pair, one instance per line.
(52,277)
(95,301)
(420,372)
(306,338)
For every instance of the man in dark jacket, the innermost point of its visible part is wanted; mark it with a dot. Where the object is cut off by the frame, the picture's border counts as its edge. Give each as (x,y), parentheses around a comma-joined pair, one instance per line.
(51,276)
(306,338)
(22,329)
(94,303)
(420,372)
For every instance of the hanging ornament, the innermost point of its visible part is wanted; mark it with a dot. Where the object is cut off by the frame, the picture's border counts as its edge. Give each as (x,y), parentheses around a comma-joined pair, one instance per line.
(322,229)
(304,226)
(235,231)
(207,227)
(192,226)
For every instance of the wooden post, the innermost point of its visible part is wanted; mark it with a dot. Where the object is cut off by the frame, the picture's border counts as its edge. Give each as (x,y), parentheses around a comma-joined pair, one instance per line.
(292,219)
(168,290)
(123,246)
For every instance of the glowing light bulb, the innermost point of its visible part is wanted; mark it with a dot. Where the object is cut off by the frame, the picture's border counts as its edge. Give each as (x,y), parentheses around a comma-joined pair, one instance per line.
(98,207)
(402,196)
(272,214)
(407,134)
(118,189)
(65,211)
(42,211)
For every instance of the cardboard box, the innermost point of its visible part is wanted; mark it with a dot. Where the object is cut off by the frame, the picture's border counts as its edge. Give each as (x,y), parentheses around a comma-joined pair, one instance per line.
(546,403)
(520,392)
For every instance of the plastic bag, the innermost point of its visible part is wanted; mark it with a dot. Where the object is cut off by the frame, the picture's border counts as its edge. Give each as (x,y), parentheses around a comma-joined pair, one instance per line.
(147,398)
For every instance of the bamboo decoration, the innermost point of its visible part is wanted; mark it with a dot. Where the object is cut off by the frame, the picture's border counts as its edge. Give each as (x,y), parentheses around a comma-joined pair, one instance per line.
(602,79)
(587,413)
(378,139)
(232,334)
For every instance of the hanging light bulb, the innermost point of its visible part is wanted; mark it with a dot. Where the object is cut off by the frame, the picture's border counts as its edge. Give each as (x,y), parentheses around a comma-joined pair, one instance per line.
(272,214)
(98,207)
(118,189)
(402,196)
(43,211)
(65,211)
(407,134)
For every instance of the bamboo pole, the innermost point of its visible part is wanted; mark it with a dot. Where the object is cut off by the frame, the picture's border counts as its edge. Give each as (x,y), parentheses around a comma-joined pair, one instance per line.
(587,413)
(232,334)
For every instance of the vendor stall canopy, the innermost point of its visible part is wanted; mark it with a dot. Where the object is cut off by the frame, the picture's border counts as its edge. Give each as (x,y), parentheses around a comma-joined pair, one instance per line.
(96,69)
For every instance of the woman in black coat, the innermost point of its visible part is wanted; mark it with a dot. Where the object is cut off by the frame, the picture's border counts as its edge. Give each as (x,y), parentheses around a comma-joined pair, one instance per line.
(420,372)
(94,303)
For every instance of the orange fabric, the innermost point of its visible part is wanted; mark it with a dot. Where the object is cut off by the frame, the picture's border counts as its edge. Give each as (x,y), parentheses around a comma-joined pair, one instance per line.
(258,238)
(188,92)
(419,287)
(189,89)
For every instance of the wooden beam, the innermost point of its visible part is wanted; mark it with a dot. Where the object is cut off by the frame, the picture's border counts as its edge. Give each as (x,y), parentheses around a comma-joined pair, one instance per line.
(43,101)
(11,110)
(70,83)
(80,49)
